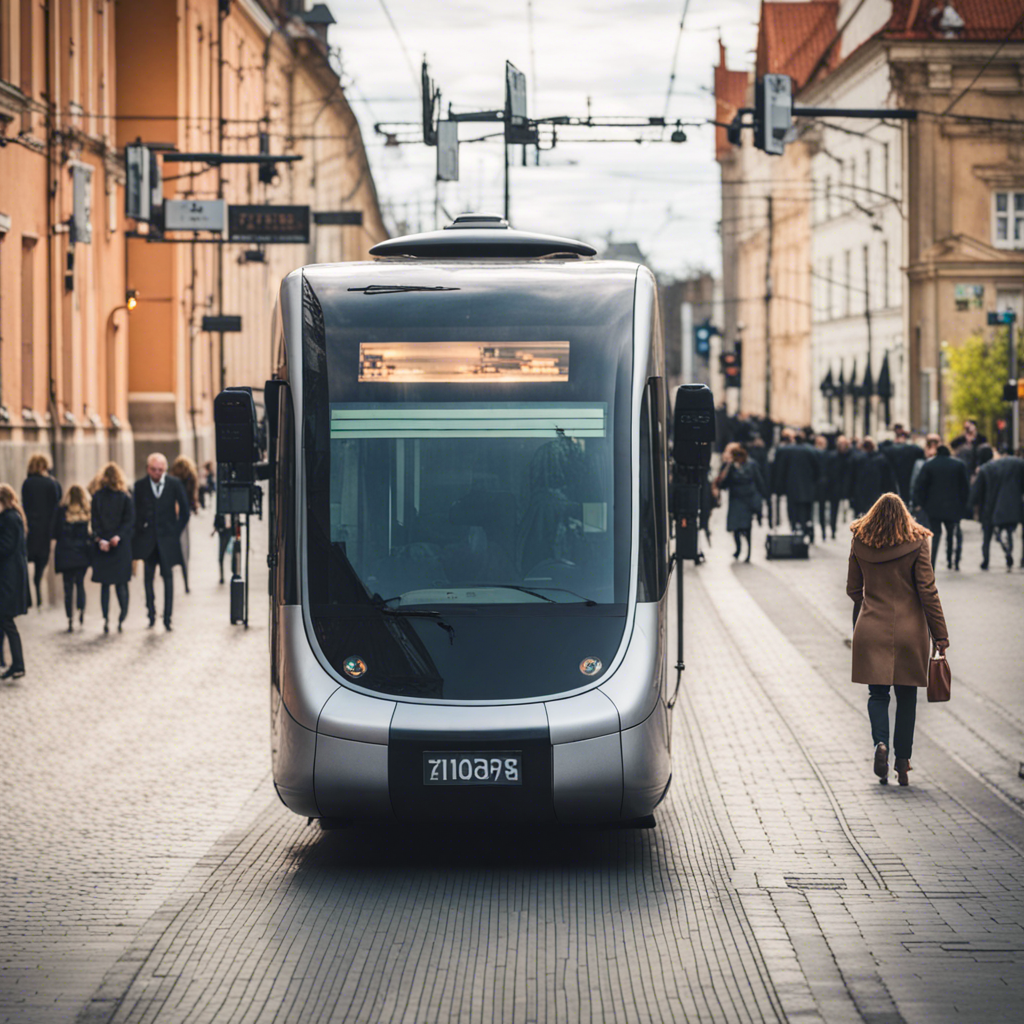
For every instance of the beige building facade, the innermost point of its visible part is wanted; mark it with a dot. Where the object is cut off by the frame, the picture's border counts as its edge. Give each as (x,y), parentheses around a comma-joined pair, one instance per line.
(82,377)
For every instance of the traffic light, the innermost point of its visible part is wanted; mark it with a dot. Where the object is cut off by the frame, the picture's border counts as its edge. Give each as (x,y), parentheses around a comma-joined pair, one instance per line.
(702,338)
(773,112)
(267,172)
(731,365)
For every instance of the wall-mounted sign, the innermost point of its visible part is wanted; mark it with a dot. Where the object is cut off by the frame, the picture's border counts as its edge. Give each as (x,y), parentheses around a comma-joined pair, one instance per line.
(353,217)
(268,224)
(194,214)
(81,217)
(222,324)
(968,297)
(447,150)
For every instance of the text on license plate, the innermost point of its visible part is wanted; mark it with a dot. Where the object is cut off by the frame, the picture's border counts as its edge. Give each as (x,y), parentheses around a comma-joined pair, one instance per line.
(472,768)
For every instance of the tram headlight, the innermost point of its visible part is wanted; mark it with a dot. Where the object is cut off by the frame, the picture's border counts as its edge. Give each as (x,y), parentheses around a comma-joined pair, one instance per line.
(591,666)
(354,667)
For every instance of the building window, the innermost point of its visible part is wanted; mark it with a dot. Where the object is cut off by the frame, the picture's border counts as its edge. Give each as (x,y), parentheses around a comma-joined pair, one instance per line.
(867,278)
(1008,220)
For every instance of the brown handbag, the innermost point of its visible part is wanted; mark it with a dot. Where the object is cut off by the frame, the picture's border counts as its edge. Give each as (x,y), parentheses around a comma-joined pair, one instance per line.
(939,677)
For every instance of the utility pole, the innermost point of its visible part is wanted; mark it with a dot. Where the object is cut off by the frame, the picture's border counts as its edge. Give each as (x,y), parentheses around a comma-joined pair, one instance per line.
(504,150)
(768,313)
(222,13)
(1014,370)
(867,321)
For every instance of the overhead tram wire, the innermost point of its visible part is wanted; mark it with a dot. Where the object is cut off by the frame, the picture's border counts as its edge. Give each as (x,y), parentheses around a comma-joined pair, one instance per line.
(675,59)
(401,44)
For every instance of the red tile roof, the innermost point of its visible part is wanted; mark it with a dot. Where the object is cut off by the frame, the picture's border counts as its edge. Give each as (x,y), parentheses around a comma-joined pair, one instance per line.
(793,37)
(730,95)
(988,20)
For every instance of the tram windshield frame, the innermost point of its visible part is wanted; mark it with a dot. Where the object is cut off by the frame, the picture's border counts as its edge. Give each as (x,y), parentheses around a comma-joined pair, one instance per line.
(459,521)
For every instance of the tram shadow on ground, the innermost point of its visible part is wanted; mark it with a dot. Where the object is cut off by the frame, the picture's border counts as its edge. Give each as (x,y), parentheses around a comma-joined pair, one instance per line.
(474,847)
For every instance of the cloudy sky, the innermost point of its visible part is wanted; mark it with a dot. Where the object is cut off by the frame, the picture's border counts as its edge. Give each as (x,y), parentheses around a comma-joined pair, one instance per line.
(616,52)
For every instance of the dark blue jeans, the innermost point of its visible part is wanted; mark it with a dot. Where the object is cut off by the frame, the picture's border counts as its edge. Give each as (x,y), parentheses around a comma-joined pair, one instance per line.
(906,710)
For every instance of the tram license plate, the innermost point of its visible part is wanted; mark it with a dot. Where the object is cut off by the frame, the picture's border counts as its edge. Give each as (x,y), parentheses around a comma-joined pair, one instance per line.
(472,768)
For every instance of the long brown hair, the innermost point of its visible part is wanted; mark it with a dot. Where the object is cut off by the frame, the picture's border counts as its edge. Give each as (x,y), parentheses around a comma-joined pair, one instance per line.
(185,470)
(111,476)
(76,504)
(888,523)
(9,499)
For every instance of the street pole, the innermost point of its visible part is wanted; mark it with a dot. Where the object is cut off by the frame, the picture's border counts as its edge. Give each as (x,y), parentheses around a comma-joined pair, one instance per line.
(1014,369)
(768,314)
(867,321)
(504,149)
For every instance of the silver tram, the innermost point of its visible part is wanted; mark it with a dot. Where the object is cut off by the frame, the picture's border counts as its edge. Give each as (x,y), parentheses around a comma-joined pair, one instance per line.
(470,534)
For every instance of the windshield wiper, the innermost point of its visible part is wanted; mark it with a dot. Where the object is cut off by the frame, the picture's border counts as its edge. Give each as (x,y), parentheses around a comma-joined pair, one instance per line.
(414,613)
(388,289)
(527,590)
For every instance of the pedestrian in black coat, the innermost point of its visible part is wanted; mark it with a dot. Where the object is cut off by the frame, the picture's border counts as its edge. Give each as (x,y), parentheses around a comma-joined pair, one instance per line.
(837,479)
(872,477)
(161,512)
(902,454)
(73,553)
(40,494)
(1008,510)
(14,597)
(821,488)
(795,474)
(942,490)
(113,523)
(741,477)
(982,497)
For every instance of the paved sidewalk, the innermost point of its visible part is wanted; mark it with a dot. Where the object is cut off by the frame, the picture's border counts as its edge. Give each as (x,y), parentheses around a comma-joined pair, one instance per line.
(122,757)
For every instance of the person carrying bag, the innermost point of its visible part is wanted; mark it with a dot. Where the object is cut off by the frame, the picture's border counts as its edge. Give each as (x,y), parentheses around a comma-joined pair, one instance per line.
(896,606)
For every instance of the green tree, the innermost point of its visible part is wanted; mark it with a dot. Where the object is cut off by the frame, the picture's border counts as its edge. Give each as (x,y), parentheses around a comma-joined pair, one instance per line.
(978,369)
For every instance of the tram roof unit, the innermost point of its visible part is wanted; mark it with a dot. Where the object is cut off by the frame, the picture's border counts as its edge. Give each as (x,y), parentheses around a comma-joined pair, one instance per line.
(472,236)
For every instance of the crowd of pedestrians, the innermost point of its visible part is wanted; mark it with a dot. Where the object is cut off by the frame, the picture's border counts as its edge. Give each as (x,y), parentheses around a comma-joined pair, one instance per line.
(823,477)
(106,527)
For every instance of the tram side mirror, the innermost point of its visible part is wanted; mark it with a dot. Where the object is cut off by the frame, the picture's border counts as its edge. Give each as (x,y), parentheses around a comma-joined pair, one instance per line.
(693,432)
(236,433)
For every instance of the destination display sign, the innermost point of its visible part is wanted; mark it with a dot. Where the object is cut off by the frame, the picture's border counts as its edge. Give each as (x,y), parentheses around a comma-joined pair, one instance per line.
(284,224)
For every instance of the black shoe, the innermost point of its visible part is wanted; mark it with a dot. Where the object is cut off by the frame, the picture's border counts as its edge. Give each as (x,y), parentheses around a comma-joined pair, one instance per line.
(167,625)
(881,765)
(71,625)
(984,566)
(106,626)
(13,673)
(119,621)
(152,620)
(81,616)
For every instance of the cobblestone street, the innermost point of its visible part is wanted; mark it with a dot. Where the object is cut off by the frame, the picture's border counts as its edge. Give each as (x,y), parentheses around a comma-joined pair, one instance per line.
(150,874)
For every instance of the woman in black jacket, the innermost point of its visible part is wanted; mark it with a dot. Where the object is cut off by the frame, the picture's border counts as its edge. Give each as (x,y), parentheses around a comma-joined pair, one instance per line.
(39,495)
(73,552)
(747,493)
(113,521)
(13,576)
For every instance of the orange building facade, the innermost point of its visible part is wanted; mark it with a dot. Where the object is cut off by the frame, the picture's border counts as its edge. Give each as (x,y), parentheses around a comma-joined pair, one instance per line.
(81,376)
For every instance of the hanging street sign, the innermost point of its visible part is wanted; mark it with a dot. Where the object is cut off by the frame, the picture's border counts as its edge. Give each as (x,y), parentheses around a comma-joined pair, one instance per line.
(447,150)
(286,224)
(338,217)
(194,215)
(222,324)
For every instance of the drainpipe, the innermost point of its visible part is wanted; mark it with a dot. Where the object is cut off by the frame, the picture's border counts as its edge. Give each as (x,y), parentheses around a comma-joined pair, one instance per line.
(51,204)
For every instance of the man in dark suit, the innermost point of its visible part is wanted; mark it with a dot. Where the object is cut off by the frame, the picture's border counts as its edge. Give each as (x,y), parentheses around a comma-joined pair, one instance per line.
(795,473)
(903,455)
(161,512)
(942,489)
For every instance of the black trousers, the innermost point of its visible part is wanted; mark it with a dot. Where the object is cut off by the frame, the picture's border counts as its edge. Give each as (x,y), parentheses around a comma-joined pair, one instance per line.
(10,630)
(1004,534)
(121,589)
(906,712)
(800,514)
(74,580)
(150,565)
(954,540)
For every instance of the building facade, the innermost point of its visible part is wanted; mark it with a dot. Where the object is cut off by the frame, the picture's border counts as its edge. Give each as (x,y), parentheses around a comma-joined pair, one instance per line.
(82,377)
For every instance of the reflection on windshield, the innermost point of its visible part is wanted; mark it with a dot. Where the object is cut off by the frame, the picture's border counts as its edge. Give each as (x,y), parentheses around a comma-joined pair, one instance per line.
(466,504)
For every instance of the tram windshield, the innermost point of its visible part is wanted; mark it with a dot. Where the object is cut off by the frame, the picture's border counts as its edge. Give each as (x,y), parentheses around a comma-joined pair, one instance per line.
(468,461)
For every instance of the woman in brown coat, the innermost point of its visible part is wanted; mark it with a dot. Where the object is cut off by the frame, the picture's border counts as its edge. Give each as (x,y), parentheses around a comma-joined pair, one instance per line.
(896,606)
